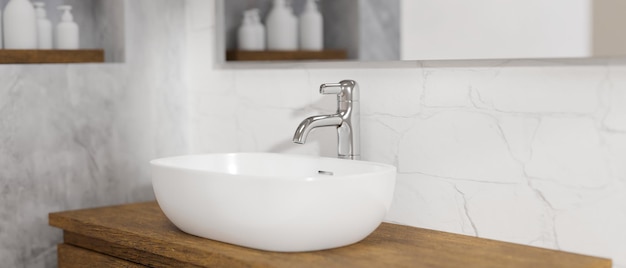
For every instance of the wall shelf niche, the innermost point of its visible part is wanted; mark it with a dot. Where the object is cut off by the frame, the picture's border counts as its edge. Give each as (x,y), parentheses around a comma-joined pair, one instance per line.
(102,34)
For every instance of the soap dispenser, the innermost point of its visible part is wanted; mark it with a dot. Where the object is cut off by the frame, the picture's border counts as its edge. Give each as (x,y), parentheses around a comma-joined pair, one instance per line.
(20,25)
(282,27)
(67,30)
(311,28)
(44,27)
(251,33)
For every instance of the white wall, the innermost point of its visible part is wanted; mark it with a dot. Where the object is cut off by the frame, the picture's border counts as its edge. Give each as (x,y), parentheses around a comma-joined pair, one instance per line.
(530,152)
(495,29)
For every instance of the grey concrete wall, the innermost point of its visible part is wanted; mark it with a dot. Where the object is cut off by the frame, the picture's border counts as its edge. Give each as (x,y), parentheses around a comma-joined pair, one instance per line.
(81,135)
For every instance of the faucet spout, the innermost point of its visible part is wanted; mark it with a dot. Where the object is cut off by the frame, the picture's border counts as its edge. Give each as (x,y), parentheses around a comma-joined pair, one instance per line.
(346,120)
(302,132)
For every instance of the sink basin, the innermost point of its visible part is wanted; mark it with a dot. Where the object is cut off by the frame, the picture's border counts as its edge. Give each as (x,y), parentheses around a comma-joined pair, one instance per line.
(274,202)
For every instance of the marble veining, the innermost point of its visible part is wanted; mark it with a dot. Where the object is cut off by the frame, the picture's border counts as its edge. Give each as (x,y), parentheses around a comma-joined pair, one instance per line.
(526,151)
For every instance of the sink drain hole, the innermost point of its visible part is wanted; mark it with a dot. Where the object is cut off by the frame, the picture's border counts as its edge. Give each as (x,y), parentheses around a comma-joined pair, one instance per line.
(322,172)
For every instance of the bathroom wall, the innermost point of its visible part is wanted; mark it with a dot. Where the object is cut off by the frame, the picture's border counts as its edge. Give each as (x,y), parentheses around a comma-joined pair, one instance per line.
(81,135)
(530,152)
(526,151)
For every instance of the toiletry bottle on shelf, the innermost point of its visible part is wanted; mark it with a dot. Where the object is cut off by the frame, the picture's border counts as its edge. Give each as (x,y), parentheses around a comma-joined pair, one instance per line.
(1,29)
(67,30)
(282,27)
(245,33)
(311,28)
(251,33)
(259,29)
(44,27)
(20,25)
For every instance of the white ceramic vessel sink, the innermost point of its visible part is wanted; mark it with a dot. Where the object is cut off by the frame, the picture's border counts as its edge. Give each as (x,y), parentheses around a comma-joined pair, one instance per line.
(274,202)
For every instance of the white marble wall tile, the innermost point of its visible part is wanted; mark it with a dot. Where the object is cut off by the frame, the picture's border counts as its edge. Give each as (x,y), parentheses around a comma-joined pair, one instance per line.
(616,152)
(519,132)
(430,202)
(614,98)
(596,228)
(569,151)
(285,89)
(552,89)
(459,145)
(513,213)
(449,88)
(380,137)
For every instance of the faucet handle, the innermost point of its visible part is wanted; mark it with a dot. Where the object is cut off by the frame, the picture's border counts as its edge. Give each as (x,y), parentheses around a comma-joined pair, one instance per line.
(330,88)
(346,90)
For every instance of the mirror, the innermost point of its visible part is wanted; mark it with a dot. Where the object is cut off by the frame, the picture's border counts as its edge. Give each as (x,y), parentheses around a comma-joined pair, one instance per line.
(393,30)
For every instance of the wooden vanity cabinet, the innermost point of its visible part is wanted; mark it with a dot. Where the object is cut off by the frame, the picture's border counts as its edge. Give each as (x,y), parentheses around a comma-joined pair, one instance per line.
(139,235)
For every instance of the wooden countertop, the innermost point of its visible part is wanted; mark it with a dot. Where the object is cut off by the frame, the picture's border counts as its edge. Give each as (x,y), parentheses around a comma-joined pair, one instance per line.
(140,233)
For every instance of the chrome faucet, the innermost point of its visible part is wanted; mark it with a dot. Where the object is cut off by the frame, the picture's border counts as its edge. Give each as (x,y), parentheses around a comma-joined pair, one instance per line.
(347,119)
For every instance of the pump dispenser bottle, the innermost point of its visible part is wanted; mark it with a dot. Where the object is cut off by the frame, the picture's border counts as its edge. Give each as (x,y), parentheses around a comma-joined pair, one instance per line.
(251,33)
(20,25)
(67,30)
(44,27)
(282,27)
(311,28)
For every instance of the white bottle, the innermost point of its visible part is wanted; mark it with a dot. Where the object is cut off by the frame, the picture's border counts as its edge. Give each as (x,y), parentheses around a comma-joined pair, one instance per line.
(259,29)
(44,27)
(311,28)
(67,30)
(0,28)
(245,33)
(20,25)
(251,33)
(282,27)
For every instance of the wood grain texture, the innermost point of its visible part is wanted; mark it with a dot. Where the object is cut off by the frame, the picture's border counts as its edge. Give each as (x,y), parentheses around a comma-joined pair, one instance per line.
(73,257)
(14,56)
(142,234)
(133,254)
(238,55)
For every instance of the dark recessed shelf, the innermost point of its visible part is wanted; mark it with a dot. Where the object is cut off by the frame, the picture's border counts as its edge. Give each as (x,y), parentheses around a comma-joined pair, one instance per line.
(18,56)
(238,55)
